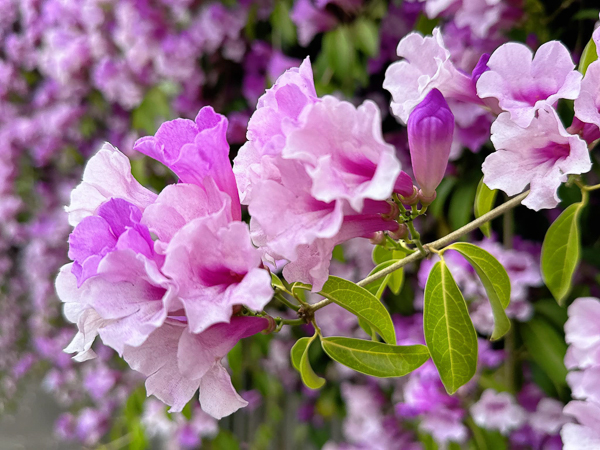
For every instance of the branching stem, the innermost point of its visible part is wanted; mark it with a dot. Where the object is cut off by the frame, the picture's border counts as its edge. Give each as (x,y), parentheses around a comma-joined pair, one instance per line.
(446,240)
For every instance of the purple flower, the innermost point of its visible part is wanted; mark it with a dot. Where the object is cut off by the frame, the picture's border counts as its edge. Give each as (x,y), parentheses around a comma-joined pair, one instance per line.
(426,66)
(115,227)
(430,131)
(541,155)
(498,411)
(195,150)
(523,83)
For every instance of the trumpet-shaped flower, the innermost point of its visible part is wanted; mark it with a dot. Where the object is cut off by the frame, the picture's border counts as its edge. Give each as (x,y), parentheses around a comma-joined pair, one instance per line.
(315,172)
(523,83)
(541,155)
(426,66)
(195,150)
(166,304)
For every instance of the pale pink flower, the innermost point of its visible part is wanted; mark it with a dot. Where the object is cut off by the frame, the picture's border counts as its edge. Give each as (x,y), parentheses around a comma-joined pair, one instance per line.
(426,66)
(541,155)
(523,83)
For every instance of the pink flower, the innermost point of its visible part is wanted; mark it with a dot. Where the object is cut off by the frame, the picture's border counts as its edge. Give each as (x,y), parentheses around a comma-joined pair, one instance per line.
(498,411)
(165,304)
(523,83)
(178,362)
(106,175)
(195,150)
(314,173)
(426,66)
(541,155)
(586,433)
(583,334)
(587,105)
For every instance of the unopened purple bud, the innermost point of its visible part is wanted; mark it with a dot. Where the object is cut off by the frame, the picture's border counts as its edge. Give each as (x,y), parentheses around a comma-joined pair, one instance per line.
(430,131)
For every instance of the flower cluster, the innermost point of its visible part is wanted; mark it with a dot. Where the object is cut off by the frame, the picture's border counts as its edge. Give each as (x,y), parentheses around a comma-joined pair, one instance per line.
(522,90)
(167,306)
(314,173)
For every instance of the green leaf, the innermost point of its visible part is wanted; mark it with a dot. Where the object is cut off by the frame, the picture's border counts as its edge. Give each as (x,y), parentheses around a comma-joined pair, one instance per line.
(449,332)
(560,252)
(547,348)
(339,50)
(375,358)
(381,255)
(154,107)
(298,350)
(338,253)
(276,282)
(361,303)
(495,280)
(366,36)
(300,361)
(484,202)
(378,286)
(461,203)
(588,56)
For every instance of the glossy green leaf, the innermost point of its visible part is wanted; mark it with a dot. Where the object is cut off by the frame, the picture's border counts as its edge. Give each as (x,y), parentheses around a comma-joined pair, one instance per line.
(449,332)
(588,56)
(495,280)
(547,348)
(338,254)
(484,202)
(375,358)
(560,252)
(299,356)
(361,303)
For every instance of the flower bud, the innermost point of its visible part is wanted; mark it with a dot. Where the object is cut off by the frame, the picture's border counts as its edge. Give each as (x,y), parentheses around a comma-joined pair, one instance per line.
(430,131)
(412,199)
(394,212)
(378,238)
(400,233)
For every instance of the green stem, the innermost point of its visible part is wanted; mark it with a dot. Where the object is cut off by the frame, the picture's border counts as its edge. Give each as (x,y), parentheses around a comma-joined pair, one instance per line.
(286,302)
(416,237)
(590,188)
(440,243)
(292,322)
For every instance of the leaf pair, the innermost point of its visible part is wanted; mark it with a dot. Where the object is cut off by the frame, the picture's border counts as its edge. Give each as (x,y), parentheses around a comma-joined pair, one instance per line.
(449,331)
(368,357)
